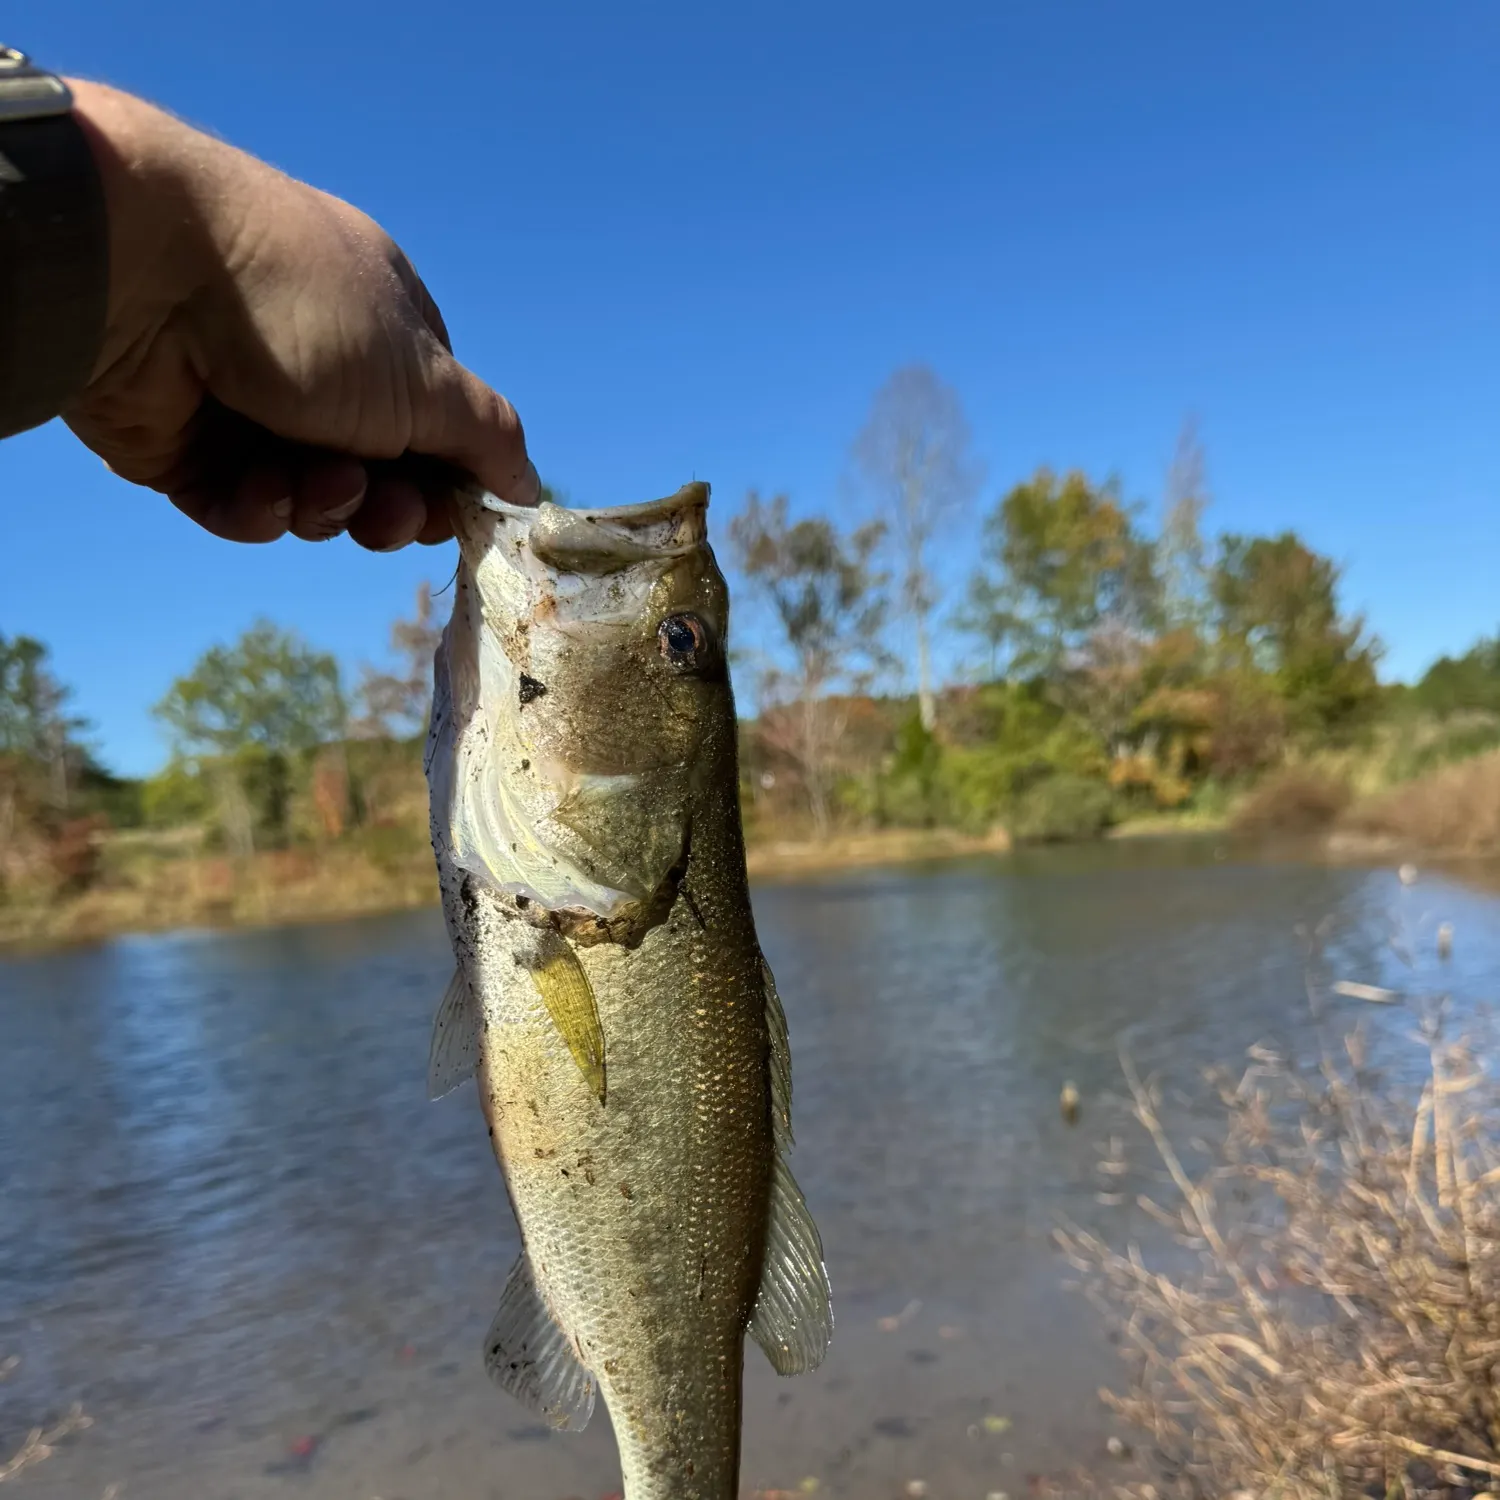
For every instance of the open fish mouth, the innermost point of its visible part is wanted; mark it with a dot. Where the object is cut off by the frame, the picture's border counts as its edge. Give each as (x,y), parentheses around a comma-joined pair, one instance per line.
(594,541)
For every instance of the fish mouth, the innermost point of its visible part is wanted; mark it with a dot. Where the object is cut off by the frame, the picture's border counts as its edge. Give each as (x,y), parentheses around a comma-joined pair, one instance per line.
(605,540)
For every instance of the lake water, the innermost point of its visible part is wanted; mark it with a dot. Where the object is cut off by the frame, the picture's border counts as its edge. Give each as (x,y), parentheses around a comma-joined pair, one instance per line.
(232,1226)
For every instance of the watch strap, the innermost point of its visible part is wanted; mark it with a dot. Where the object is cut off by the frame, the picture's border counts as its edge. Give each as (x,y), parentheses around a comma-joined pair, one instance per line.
(54,248)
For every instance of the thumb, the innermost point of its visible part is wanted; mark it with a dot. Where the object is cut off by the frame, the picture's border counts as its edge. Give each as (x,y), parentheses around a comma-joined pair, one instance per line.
(458,417)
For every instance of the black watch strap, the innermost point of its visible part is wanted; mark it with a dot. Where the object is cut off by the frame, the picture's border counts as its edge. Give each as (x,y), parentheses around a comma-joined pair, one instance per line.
(54,247)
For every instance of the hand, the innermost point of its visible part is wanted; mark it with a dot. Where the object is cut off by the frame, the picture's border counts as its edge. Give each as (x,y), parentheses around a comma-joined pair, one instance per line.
(271,361)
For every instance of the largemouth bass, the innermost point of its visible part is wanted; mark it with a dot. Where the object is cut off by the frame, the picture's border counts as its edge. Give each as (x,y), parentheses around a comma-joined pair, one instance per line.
(610,996)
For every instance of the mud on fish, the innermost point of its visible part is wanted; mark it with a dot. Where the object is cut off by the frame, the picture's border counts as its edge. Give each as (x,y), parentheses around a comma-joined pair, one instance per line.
(610,996)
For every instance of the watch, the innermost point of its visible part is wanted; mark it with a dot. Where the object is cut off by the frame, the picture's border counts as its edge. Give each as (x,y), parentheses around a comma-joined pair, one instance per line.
(54,246)
(27,93)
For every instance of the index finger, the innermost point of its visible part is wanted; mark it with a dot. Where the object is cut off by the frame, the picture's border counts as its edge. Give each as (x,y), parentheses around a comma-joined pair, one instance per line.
(461,419)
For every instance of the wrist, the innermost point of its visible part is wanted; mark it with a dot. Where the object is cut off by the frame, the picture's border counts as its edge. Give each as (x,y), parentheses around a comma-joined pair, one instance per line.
(158,177)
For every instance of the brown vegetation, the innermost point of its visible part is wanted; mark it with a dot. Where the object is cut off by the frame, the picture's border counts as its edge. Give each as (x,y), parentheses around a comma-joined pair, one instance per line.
(1295,799)
(161,883)
(1454,810)
(883,846)
(1338,1332)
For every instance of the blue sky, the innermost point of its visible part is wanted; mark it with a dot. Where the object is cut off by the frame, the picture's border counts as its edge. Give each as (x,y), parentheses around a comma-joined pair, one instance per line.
(691,240)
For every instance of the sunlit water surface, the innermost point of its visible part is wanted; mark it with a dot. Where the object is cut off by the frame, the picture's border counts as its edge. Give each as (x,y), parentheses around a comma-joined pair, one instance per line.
(234,1228)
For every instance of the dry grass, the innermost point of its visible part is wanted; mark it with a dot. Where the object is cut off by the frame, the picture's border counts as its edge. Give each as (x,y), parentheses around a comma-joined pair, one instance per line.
(40,1443)
(885,846)
(1455,810)
(157,883)
(1295,799)
(1338,1331)
(194,890)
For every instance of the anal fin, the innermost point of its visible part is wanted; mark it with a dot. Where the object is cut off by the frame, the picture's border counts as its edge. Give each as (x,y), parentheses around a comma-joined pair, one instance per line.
(527,1353)
(793,1316)
(454,1053)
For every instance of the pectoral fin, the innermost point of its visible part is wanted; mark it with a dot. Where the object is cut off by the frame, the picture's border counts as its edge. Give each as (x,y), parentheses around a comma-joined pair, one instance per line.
(454,1053)
(527,1353)
(565,989)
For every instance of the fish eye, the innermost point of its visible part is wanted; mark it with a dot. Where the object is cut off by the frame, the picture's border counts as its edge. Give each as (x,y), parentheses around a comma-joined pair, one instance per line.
(683,640)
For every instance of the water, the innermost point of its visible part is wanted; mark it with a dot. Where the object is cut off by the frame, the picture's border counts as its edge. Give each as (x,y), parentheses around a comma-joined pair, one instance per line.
(234,1229)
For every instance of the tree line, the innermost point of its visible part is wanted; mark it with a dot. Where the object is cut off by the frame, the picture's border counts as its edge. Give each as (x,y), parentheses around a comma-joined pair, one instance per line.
(1113,667)
(1083,665)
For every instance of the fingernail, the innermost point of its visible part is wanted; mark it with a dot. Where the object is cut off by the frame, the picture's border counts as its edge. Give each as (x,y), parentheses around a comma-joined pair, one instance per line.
(404,541)
(342,512)
(282,509)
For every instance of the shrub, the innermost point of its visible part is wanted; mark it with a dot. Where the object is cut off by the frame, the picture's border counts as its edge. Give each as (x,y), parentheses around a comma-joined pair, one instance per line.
(1296,799)
(1454,810)
(1062,807)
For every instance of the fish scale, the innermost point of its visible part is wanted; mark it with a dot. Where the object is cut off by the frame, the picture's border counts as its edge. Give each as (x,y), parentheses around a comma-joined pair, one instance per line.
(611,998)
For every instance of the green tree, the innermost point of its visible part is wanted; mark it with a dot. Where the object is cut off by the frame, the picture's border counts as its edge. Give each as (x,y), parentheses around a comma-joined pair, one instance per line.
(249,708)
(830,608)
(1061,560)
(1462,684)
(36,727)
(269,690)
(914,453)
(1277,603)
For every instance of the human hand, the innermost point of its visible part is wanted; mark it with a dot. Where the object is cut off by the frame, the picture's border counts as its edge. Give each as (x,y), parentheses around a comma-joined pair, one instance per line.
(271,361)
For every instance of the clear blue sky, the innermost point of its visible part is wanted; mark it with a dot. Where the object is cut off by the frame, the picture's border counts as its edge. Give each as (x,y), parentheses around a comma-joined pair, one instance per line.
(693,239)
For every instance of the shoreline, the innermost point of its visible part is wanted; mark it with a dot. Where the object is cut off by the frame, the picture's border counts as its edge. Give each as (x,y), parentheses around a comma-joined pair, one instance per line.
(299,887)
(296,887)
(868,850)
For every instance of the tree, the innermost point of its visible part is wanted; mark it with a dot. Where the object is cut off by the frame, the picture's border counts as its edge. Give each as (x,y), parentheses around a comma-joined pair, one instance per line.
(1181,557)
(35,725)
(1277,603)
(269,690)
(830,607)
(914,453)
(1460,684)
(988,613)
(250,707)
(397,703)
(1061,561)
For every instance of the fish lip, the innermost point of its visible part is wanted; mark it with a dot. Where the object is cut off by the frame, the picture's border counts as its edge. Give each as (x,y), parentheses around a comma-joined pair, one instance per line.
(646,513)
(599,542)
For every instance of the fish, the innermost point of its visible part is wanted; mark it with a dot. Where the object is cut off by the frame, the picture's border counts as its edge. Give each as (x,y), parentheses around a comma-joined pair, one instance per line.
(610,997)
